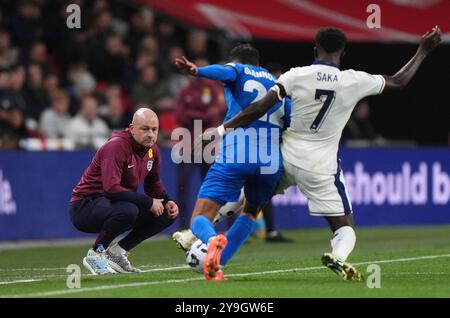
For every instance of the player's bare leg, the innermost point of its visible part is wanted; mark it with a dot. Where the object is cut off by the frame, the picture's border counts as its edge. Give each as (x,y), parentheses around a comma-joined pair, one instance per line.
(251,210)
(342,244)
(206,207)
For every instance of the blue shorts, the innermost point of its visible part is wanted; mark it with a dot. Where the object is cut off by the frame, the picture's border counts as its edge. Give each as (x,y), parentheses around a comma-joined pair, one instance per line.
(224,182)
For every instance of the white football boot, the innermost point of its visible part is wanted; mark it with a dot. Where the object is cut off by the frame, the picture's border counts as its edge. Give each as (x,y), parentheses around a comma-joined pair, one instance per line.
(117,258)
(184,239)
(344,270)
(96,263)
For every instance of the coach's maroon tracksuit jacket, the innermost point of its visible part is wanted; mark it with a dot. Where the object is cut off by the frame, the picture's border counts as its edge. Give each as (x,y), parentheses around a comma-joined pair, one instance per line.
(117,170)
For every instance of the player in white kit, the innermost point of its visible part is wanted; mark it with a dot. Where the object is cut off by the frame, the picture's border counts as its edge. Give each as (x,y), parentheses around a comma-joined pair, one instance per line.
(323,98)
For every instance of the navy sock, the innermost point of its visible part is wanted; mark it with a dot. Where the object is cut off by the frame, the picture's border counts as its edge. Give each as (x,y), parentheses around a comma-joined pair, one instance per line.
(203,228)
(236,236)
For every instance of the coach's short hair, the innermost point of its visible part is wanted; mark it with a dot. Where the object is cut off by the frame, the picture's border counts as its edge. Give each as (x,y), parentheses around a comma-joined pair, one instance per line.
(331,40)
(245,53)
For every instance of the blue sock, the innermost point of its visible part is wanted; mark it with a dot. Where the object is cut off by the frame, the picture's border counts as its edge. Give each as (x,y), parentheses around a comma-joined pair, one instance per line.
(203,228)
(237,235)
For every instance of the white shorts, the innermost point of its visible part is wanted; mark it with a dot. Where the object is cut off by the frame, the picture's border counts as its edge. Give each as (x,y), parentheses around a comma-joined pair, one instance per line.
(326,194)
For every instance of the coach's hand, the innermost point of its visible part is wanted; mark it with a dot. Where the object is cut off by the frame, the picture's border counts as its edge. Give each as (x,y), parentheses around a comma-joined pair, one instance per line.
(157,208)
(430,40)
(172,209)
(185,66)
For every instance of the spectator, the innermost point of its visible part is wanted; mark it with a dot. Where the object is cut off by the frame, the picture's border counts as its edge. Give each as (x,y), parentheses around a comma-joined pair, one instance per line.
(27,27)
(9,138)
(35,95)
(8,55)
(86,129)
(38,55)
(84,82)
(197,44)
(149,46)
(141,25)
(175,80)
(17,79)
(16,88)
(359,126)
(114,115)
(51,83)
(108,64)
(55,120)
(115,90)
(13,126)
(102,24)
(150,91)
(166,36)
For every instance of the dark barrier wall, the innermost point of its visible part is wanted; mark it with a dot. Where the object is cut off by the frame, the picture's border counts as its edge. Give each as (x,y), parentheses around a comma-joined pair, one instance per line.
(387,186)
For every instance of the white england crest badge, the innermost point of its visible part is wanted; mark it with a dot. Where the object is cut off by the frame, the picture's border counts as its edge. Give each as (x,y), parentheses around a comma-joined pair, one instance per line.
(149,165)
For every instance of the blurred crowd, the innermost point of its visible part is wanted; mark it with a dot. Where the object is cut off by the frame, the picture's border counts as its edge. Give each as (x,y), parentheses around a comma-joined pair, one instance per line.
(64,88)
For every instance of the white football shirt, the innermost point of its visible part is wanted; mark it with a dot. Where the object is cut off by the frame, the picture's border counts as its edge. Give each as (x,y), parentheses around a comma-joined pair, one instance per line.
(322,98)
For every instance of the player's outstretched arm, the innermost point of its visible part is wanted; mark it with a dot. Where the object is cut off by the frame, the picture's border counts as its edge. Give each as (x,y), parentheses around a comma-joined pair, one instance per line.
(428,42)
(255,110)
(185,66)
(216,72)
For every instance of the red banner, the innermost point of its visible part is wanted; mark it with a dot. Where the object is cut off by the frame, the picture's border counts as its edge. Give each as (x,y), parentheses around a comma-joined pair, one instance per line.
(290,20)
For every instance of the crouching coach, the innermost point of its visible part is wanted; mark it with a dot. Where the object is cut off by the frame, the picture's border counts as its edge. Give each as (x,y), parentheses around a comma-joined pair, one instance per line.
(106,200)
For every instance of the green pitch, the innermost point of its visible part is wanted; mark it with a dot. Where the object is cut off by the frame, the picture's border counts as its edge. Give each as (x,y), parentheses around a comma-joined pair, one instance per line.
(413,262)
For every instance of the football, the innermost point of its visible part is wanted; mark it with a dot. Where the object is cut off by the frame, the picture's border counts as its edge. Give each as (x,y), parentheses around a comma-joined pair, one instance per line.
(195,256)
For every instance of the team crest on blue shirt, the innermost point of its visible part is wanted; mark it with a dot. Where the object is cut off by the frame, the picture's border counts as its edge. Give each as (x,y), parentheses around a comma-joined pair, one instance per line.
(149,165)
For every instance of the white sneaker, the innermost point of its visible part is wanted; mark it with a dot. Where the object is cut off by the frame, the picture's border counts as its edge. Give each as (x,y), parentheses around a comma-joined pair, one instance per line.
(184,239)
(96,263)
(117,258)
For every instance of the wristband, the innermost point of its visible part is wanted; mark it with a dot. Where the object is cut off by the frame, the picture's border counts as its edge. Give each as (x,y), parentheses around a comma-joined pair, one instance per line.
(221,130)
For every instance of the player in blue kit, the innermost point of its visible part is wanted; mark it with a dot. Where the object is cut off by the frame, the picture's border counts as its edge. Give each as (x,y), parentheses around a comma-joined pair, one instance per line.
(248,157)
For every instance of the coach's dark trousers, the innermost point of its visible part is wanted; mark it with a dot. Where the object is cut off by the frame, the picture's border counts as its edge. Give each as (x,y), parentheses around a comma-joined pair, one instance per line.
(110,219)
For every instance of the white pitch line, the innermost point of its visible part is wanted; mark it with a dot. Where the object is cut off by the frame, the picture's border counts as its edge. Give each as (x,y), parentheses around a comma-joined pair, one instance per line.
(73,291)
(174,281)
(20,281)
(41,277)
(64,268)
(404,259)
(32,269)
(163,269)
(160,265)
(420,273)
